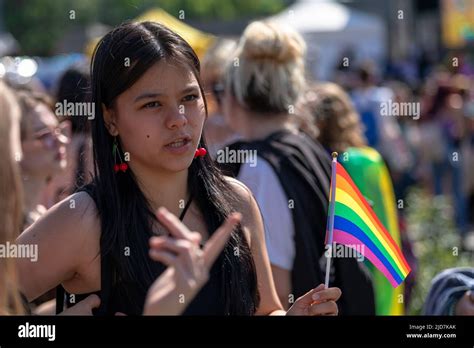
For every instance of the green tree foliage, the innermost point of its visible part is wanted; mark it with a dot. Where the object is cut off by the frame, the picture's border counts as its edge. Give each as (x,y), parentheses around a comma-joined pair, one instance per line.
(436,242)
(39,24)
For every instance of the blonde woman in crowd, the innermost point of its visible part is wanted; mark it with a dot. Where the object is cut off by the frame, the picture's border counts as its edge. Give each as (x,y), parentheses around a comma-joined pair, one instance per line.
(218,132)
(43,142)
(10,198)
(287,172)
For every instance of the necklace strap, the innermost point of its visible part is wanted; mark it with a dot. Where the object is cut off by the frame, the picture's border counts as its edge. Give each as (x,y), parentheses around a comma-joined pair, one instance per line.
(183,213)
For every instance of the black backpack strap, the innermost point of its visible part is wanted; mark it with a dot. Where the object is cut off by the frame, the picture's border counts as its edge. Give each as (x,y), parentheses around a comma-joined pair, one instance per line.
(231,169)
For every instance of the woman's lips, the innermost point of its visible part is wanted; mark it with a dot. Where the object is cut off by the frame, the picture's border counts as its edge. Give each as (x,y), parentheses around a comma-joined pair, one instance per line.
(179,147)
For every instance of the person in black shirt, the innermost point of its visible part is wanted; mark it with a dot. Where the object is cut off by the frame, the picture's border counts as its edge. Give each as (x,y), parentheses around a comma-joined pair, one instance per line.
(288,173)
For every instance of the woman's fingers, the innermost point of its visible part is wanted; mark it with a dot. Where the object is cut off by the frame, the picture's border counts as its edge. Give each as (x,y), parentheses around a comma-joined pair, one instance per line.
(318,301)
(307,299)
(169,259)
(175,245)
(325,308)
(169,250)
(218,240)
(185,250)
(84,307)
(324,301)
(186,254)
(173,224)
(329,294)
(92,301)
(196,237)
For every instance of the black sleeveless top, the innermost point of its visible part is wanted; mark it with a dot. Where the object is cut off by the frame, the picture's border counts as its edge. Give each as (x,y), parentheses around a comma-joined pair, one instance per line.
(126,297)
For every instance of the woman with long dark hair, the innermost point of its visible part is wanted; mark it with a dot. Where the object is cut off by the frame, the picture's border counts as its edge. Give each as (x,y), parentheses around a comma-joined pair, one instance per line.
(149,114)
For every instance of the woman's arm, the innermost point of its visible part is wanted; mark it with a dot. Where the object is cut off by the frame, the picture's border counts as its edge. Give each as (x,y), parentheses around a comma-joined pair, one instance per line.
(278,223)
(282,284)
(252,226)
(317,301)
(66,237)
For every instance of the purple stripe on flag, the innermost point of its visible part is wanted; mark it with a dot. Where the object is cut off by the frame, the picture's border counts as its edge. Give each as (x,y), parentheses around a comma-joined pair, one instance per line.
(344,238)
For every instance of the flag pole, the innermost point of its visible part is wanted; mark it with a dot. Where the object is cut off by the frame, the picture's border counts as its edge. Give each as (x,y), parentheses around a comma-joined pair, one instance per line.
(331,217)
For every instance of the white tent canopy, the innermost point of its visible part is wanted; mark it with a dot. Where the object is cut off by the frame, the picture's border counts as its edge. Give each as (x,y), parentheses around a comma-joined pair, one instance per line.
(330,29)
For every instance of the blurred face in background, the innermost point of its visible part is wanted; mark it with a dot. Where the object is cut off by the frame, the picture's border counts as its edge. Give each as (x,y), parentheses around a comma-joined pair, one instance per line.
(43,142)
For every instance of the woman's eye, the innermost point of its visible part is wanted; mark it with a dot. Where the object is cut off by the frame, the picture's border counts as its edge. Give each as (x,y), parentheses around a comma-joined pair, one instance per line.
(153,104)
(190,97)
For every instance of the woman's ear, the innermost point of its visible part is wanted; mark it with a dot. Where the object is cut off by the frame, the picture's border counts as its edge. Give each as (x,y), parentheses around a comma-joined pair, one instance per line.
(109,120)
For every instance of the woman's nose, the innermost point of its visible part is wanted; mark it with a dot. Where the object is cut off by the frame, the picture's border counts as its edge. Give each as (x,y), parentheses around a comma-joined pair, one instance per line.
(177,118)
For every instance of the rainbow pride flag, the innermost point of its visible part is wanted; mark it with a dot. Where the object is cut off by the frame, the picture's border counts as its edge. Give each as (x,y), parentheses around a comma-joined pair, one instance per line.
(353,223)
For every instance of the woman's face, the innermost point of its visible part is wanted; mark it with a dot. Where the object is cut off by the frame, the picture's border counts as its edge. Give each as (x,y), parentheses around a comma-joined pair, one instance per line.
(43,145)
(160,118)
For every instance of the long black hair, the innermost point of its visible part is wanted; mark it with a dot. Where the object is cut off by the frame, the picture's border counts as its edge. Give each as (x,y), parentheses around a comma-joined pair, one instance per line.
(125,214)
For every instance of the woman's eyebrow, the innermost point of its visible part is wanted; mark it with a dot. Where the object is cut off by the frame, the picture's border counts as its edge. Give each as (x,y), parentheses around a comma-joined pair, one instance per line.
(147,95)
(192,88)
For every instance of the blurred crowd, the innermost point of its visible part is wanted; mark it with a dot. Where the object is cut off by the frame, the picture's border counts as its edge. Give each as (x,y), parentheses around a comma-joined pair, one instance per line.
(432,147)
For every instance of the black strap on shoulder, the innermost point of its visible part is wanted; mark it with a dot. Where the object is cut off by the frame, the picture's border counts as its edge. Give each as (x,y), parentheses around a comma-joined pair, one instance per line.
(186,207)
(25,303)
(59,298)
(231,169)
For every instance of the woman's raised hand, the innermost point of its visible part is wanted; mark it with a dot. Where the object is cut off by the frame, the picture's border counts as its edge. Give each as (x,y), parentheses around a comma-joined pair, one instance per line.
(188,264)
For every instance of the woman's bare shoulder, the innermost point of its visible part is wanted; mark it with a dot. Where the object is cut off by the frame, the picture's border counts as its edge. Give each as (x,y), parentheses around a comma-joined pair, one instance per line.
(66,237)
(73,219)
(246,204)
(242,194)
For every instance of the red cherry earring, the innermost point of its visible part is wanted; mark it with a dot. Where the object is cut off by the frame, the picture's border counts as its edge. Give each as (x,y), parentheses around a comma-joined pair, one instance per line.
(201,152)
(118,166)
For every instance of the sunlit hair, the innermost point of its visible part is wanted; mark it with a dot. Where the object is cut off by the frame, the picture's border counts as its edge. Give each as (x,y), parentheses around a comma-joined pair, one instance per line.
(216,59)
(28,100)
(339,123)
(10,200)
(214,67)
(267,74)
